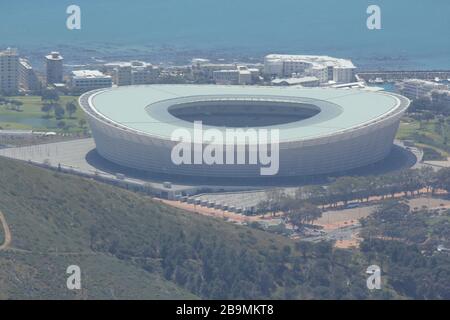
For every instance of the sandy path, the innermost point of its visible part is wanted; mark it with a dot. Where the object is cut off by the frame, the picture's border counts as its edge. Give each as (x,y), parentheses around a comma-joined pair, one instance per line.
(7,233)
(350,243)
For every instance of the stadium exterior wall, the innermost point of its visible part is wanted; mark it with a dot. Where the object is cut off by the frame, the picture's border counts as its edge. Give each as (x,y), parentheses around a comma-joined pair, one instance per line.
(349,149)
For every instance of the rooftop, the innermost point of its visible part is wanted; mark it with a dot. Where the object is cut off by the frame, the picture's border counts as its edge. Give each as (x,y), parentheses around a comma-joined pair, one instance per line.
(54,56)
(88,74)
(144,108)
(315,60)
(8,52)
(122,64)
(293,81)
(25,63)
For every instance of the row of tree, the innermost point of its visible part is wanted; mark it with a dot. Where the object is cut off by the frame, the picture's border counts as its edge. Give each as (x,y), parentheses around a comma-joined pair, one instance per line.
(58,110)
(50,99)
(434,104)
(405,182)
(302,207)
(297,211)
(11,104)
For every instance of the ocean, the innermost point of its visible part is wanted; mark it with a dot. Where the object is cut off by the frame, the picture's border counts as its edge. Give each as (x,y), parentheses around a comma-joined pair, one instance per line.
(414,34)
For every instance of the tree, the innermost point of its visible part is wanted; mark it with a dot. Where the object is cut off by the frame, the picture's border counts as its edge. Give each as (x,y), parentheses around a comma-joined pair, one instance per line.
(47,108)
(59,111)
(315,194)
(427,116)
(49,95)
(17,105)
(428,177)
(71,108)
(301,212)
(61,125)
(274,201)
(443,179)
(420,104)
(343,189)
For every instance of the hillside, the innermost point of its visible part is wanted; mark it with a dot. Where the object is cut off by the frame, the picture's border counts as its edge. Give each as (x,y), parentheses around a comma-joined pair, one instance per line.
(130,246)
(50,231)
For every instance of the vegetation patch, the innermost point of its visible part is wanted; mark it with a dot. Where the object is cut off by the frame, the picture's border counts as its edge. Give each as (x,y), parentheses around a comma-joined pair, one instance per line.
(57,220)
(431,154)
(49,112)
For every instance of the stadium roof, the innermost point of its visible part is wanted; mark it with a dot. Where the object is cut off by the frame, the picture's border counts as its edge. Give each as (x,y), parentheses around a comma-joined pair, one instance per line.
(144,108)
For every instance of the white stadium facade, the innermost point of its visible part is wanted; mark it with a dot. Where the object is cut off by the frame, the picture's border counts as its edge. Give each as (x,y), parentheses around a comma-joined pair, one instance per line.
(321,130)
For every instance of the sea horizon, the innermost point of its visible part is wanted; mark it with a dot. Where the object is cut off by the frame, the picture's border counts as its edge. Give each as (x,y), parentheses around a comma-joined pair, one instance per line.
(173,32)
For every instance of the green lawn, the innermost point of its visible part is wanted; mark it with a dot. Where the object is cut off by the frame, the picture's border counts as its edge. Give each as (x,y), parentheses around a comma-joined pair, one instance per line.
(32,118)
(430,134)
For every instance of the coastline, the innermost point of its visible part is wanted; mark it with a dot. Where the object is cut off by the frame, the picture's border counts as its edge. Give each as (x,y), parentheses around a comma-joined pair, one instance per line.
(167,55)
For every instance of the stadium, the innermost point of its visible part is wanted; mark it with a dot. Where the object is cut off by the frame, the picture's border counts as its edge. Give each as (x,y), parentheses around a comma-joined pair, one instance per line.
(321,130)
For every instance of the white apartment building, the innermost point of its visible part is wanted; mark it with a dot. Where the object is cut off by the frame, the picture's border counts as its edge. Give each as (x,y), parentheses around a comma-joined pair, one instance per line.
(343,74)
(320,72)
(255,72)
(122,76)
(245,75)
(133,73)
(144,74)
(226,76)
(9,71)
(54,68)
(87,80)
(207,70)
(240,75)
(204,69)
(322,67)
(416,88)
(28,79)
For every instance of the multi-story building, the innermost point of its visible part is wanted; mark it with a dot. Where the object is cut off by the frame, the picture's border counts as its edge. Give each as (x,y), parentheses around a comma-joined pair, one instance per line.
(245,75)
(133,73)
(9,71)
(255,72)
(54,68)
(28,79)
(323,67)
(343,74)
(320,72)
(206,70)
(143,73)
(415,88)
(203,69)
(240,75)
(441,98)
(226,76)
(86,80)
(123,76)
